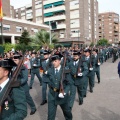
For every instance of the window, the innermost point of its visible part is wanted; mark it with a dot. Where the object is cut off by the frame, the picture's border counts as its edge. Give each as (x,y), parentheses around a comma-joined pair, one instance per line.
(38,2)
(75,2)
(38,11)
(6,27)
(18,29)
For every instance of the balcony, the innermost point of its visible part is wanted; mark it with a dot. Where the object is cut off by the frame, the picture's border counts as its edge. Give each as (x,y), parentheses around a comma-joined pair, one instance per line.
(38,6)
(61,26)
(29,17)
(59,8)
(54,18)
(51,1)
(74,35)
(28,6)
(62,35)
(29,11)
(72,7)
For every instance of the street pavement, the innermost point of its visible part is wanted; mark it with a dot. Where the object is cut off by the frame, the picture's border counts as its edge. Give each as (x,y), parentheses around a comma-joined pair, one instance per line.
(102,104)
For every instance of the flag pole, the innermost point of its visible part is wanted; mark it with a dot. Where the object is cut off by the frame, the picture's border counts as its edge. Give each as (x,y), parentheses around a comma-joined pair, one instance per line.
(2,31)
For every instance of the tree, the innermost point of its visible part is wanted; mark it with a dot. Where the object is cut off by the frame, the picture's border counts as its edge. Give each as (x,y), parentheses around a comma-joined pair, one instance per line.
(25,38)
(102,42)
(42,38)
(91,44)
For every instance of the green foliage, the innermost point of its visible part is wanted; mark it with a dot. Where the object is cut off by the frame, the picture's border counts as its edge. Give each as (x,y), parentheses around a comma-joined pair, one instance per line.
(42,38)
(25,38)
(58,45)
(92,44)
(102,42)
(8,47)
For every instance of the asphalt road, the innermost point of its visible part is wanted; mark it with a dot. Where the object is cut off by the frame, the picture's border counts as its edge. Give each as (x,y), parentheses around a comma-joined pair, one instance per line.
(102,104)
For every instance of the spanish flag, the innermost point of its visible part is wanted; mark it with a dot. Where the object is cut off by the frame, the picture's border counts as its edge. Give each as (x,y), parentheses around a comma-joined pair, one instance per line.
(1,12)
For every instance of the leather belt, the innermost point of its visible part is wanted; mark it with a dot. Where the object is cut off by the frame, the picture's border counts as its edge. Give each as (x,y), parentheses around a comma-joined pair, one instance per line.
(54,89)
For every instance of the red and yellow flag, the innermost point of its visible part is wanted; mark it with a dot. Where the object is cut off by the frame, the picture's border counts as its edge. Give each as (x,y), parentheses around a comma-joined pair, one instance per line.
(1,12)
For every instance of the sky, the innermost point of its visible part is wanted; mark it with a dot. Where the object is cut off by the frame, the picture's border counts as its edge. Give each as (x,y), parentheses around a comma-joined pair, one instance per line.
(104,5)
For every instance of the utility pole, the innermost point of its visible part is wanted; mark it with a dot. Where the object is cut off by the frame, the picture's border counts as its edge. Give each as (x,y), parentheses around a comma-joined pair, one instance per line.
(50,32)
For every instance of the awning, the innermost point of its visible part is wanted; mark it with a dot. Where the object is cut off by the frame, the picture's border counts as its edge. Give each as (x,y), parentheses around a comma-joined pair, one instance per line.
(48,14)
(66,44)
(58,3)
(47,6)
(59,11)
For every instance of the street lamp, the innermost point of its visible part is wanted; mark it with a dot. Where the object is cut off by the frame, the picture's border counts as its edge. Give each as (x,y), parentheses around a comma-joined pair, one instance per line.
(78,38)
(50,32)
(86,38)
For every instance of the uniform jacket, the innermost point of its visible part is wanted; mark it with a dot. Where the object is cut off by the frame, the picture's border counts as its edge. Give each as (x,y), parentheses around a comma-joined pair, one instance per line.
(45,66)
(84,69)
(54,81)
(17,107)
(36,61)
(97,67)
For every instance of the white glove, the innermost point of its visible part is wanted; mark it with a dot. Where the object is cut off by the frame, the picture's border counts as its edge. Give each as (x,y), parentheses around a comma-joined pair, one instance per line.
(80,74)
(64,93)
(61,95)
(98,63)
(46,72)
(34,65)
(90,69)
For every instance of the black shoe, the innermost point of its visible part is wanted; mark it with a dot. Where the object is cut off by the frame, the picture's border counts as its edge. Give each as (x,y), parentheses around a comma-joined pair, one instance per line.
(81,102)
(84,95)
(43,102)
(30,87)
(40,84)
(98,82)
(32,112)
(91,90)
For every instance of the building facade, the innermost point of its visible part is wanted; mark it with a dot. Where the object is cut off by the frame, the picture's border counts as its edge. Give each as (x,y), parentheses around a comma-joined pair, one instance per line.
(109,26)
(13,27)
(72,20)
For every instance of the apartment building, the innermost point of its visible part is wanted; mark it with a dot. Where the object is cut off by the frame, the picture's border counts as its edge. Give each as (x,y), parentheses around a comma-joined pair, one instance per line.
(73,21)
(109,26)
(13,27)
(119,32)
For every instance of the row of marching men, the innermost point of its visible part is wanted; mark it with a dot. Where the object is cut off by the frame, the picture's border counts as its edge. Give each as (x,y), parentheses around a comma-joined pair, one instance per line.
(108,52)
(63,75)
(79,72)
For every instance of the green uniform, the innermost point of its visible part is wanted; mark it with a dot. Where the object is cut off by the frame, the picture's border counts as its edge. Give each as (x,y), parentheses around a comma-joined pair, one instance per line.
(91,73)
(23,78)
(35,70)
(79,81)
(53,99)
(17,106)
(97,68)
(45,78)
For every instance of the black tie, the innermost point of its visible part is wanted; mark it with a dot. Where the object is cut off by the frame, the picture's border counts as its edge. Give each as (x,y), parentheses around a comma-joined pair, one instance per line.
(0,88)
(56,72)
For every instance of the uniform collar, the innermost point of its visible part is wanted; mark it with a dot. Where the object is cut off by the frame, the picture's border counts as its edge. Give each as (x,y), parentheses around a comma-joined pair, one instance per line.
(58,68)
(4,84)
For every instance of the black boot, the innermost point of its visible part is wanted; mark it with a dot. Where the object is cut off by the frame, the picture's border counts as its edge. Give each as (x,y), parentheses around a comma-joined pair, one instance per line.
(32,112)
(43,102)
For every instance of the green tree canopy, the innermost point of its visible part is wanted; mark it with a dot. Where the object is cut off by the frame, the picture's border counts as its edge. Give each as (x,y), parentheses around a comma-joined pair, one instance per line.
(25,38)
(102,42)
(42,38)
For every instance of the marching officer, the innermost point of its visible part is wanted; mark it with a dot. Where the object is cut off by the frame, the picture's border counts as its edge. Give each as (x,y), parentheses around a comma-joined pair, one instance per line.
(35,65)
(79,71)
(23,78)
(45,78)
(56,96)
(97,64)
(14,108)
(91,74)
